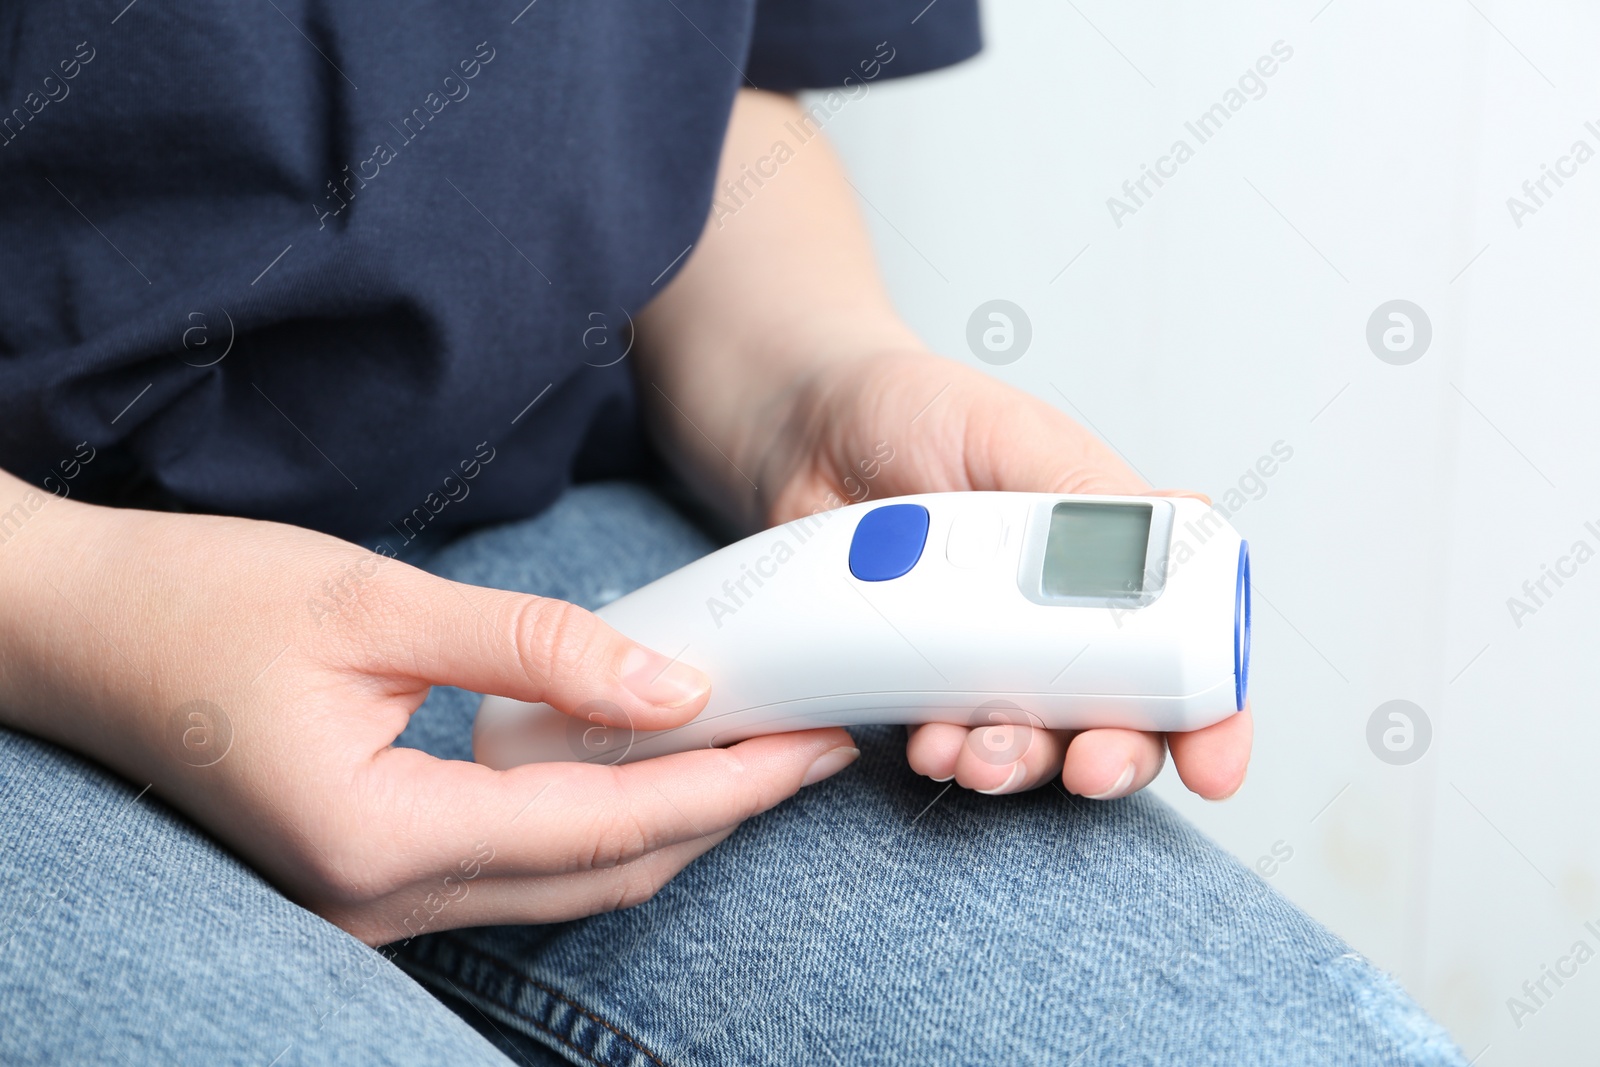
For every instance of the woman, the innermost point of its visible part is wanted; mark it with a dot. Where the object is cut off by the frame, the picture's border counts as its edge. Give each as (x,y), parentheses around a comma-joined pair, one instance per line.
(331,332)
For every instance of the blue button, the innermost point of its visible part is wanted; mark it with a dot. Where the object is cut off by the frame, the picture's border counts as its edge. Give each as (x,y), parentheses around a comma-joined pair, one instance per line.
(888,541)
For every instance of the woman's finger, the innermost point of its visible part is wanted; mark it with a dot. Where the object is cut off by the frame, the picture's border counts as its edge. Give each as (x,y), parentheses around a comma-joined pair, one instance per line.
(556,818)
(478,896)
(989,759)
(1112,763)
(1190,493)
(528,648)
(1009,759)
(1212,762)
(933,748)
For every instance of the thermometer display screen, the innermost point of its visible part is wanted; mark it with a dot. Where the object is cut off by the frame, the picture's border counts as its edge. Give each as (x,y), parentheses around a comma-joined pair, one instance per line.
(1096,550)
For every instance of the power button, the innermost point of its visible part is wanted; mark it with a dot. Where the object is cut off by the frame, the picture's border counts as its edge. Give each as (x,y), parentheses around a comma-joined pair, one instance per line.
(888,542)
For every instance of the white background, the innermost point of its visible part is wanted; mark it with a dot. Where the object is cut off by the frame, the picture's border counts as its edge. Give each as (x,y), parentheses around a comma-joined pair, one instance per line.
(1230,313)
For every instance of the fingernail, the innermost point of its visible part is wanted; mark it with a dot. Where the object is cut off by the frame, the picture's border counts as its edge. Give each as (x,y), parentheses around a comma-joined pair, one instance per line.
(1014,780)
(668,683)
(1118,788)
(830,763)
(946,778)
(1230,794)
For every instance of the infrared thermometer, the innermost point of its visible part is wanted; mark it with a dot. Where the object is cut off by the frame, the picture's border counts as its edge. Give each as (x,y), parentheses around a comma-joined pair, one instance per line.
(1036,610)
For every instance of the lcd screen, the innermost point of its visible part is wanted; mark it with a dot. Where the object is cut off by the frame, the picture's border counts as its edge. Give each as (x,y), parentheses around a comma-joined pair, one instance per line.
(1096,550)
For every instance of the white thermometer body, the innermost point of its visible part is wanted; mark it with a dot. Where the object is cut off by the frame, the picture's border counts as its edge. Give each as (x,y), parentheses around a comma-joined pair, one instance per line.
(1042,610)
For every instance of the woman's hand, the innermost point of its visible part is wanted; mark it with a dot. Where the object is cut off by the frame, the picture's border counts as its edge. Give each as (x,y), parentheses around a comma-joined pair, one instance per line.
(774,371)
(908,422)
(256,676)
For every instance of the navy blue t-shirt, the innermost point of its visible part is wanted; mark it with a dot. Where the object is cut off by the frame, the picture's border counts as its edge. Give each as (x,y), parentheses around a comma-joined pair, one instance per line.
(331,262)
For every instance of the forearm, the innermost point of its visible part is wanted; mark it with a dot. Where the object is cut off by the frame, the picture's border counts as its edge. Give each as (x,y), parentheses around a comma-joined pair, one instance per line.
(63,675)
(781,284)
(98,639)
(41,544)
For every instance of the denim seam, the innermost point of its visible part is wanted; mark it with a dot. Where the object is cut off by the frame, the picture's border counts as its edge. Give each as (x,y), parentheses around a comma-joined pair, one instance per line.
(517,976)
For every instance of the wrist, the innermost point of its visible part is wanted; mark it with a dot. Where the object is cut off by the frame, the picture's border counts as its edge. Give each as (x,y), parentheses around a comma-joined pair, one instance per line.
(735,413)
(827,417)
(48,554)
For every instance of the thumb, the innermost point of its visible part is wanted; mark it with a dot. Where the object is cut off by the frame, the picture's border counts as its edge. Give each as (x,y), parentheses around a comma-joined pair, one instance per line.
(1191,493)
(536,649)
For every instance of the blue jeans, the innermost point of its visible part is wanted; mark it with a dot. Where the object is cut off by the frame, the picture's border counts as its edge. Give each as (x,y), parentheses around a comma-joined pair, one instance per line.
(875,918)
